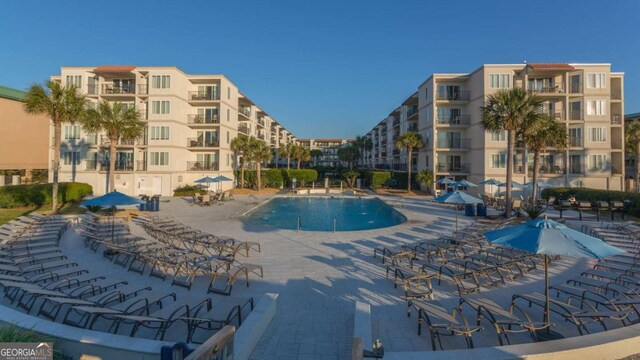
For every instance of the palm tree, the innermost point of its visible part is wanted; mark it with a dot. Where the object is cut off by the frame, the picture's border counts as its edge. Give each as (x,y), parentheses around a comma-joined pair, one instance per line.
(506,110)
(315,155)
(410,141)
(118,122)
(301,154)
(260,152)
(62,105)
(287,151)
(348,154)
(367,146)
(240,145)
(632,139)
(538,133)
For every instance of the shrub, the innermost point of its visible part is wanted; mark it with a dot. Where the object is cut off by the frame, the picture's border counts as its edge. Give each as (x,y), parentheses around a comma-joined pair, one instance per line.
(273,178)
(350,176)
(399,180)
(592,195)
(187,190)
(40,194)
(303,176)
(377,179)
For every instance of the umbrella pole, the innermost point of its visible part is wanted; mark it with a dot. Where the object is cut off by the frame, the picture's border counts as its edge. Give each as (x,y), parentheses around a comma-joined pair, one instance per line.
(455,208)
(546,289)
(113,217)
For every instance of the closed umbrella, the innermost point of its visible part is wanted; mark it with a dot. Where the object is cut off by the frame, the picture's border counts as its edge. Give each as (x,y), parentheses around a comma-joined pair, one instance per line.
(457,197)
(544,236)
(112,199)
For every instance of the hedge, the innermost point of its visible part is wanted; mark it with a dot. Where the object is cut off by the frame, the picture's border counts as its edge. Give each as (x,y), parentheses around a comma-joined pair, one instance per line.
(377,179)
(187,190)
(273,178)
(592,195)
(40,194)
(302,176)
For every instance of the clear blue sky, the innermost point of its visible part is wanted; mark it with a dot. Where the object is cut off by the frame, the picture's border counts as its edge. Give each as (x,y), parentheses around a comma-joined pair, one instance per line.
(330,68)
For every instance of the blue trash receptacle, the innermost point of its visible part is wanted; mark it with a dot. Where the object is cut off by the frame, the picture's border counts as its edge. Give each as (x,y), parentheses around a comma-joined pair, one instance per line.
(469,210)
(481,210)
(156,203)
(145,206)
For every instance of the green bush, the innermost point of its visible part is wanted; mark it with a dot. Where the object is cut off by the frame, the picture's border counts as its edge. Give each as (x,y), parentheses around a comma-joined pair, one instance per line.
(40,194)
(187,190)
(272,178)
(399,180)
(377,179)
(592,195)
(303,176)
(350,177)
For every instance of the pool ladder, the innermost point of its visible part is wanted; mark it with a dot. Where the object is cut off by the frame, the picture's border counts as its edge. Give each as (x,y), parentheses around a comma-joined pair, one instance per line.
(299,224)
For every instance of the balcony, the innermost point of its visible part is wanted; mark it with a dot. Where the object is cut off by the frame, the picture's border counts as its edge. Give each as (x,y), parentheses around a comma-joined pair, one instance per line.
(203,119)
(616,169)
(245,129)
(411,111)
(453,95)
(616,95)
(141,165)
(558,115)
(202,143)
(396,152)
(576,115)
(396,122)
(110,89)
(90,165)
(261,122)
(453,167)
(575,88)
(454,143)
(457,120)
(547,90)
(91,140)
(121,142)
(202,166)
(551,169)
(575,142)
(413,128)
(616,119)
(246,111)
(120,166)
(204,95)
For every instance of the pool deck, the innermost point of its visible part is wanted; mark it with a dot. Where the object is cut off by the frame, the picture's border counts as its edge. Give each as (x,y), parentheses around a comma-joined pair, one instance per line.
(319,276)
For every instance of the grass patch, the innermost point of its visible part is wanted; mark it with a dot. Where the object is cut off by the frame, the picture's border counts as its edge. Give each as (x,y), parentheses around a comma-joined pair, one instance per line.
(7,215)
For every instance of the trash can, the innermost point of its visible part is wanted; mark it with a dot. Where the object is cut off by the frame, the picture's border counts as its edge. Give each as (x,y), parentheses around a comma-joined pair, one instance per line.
(145,206)
(156,203)
(469,210)
(481,210)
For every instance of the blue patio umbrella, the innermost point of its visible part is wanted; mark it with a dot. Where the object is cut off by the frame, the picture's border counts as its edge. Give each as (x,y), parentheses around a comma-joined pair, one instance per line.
(491,182)
(457,197)
(112,200)
(545,236)
(206,180)
(444,181)
(464,183)
(514,184)
(221,178)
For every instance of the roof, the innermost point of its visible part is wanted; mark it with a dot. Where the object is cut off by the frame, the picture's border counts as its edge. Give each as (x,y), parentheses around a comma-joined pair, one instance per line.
(632,116)
(550,66)
(114,69)
(13,94)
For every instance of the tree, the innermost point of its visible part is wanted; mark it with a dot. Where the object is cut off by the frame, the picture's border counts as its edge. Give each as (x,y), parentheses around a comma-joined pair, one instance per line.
(240,145)
(315,155)
(363,144)
(506,110)
(632,139)
(539,132)
(351,176)
(62,105)
(301,154)
(425,177)
(118,122)
(287,151)
(348,154)
(259,152)
(410,141)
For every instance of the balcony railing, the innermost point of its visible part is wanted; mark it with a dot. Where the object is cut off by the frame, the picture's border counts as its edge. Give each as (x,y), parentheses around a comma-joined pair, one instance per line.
(413,128)
(245,111)
(396,152)
(261,122)
(204,95)
(121,142)
(454,143)
(575,115)
(575,142)
(110,89)
(453,167)
(558,115)
(245,130)
(455,120)
(90,165)
(396,122)
(202,143)
(462,95)
(120,166)
(91,140)
(202,166)
(544,169)
(616,95)
(203,119)
(616,119)
(141,165)
(412,111)
(551,89)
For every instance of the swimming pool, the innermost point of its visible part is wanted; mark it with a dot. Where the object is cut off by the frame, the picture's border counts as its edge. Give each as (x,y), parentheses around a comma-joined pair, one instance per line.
(318,214)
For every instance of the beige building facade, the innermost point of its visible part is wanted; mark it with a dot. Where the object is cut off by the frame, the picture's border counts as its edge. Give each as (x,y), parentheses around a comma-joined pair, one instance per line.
(191,121)
(23,137)
(329,148)
(587,98)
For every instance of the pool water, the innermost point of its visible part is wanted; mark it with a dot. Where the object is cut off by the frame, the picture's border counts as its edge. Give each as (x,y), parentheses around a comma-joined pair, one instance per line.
(318,214)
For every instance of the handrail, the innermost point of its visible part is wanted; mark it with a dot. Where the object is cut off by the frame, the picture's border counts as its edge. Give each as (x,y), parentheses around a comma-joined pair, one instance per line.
(219,346)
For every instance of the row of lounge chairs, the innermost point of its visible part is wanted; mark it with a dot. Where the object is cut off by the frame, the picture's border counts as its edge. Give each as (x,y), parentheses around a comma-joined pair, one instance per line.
(53,287)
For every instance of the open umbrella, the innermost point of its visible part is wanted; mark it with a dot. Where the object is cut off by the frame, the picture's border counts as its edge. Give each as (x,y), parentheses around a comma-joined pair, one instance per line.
(544,236)
(491,182)
(464,183)
(444,181)
(221,178)
(112,199)
(541,185)
(457,197)
(206,180)
(514,185)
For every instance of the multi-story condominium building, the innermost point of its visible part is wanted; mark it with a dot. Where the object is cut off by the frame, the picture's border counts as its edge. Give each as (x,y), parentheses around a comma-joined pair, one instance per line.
(630,156)
(446,111)
(329,148)
(191,121)
(23,137)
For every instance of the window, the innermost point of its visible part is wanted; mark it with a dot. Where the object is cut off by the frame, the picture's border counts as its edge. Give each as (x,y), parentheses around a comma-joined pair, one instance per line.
(597,162)
(499,81)
(75,80)
(498,136)
(575,137)
(426,93)
(160,81)
(159,133)
(575,164)
(70,158)
(596,81)
(71,132)
(597,134)
(228,115)
(596,107)
(159,158)
(160,107)
(498,161)
(228,159)
(227,137)
(228,93)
